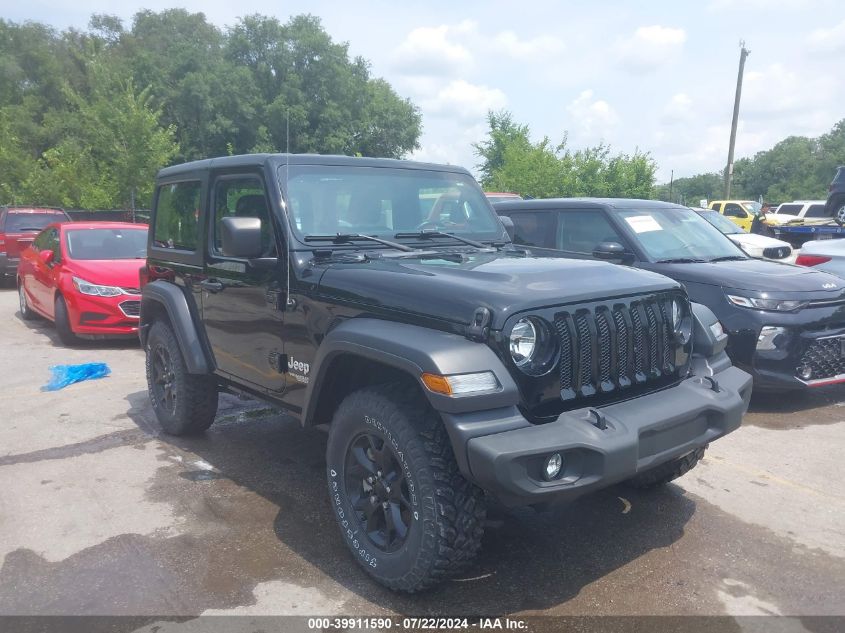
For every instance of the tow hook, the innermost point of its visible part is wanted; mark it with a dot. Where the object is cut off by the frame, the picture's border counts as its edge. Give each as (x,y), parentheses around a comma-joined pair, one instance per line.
(600,421)
(714,384)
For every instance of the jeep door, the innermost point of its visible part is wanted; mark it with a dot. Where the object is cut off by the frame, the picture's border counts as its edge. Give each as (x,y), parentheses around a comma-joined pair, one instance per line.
(243,299)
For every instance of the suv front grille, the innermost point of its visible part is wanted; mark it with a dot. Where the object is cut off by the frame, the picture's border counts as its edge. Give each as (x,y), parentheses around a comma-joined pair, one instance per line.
(608,347)
(776,252)
(825,358)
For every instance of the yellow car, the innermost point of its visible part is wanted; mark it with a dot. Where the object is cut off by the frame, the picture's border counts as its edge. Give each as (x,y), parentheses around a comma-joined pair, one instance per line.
(742,212)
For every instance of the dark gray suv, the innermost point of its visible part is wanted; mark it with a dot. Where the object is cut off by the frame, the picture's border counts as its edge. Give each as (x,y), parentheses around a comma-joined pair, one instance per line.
(836,198)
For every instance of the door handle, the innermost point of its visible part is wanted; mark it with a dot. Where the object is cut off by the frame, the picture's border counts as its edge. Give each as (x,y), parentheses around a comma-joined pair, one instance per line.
(211,285)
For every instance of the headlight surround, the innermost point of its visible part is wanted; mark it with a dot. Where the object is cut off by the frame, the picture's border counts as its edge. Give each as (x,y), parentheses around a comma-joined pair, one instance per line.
(96,290)
(764,303)
(681,321)
(532,346)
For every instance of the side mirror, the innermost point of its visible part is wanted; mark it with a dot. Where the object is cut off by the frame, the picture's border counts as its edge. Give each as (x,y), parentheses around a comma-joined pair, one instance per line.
(509,226)
(611,251)
(46,257)
(241,237)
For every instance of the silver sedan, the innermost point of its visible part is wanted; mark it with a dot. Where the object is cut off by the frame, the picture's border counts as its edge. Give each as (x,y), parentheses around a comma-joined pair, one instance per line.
(826,255)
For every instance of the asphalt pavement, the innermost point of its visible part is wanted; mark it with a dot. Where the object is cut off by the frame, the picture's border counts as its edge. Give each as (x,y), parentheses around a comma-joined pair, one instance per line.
(102,514)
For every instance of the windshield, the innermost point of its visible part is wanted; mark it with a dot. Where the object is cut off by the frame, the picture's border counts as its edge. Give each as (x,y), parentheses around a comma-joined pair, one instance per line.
(720,222)
(106,243)
(327,200)
(26,222)
(673,233)
(753,207)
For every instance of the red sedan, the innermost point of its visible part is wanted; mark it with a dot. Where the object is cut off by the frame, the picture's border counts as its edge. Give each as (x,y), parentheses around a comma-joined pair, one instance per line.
(84,277)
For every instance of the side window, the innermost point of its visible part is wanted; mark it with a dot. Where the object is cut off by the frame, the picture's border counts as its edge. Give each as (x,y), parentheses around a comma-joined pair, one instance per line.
(716,206)
(41,240)
(733,210)
(177,216)
(580,231)
(242,197)
(815,211)
(533,229)
(52,244)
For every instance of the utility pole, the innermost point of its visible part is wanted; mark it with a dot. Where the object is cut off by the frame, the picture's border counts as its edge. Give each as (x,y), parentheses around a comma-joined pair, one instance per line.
(671,184)
(729,170)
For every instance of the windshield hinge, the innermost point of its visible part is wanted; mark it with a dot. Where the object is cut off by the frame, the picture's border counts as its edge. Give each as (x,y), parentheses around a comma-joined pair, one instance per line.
(479,328)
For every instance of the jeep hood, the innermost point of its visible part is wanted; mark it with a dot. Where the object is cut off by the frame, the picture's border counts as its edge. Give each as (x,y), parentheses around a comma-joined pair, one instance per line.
(757,275)
(453,290)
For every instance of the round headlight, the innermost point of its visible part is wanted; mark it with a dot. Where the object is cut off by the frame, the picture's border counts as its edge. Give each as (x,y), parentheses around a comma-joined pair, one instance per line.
(523,342)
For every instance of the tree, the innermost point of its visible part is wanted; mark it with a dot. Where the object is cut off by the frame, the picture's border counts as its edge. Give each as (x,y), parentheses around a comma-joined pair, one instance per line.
(511,162)
(503,133)
(796,168)
(87,117)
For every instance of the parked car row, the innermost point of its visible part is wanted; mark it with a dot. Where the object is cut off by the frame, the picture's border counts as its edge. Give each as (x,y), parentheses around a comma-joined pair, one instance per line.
(784,323)
(454,354)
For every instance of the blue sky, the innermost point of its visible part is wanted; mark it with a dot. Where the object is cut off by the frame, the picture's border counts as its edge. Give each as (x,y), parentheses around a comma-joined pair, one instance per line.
(660,77)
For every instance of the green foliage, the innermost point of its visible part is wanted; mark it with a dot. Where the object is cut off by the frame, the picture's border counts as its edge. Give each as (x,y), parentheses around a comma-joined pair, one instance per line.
(511,162)
(796,168)
(692,189)
(87,118)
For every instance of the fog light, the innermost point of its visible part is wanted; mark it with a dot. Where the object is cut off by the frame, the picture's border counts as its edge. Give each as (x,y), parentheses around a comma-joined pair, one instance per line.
(806,372)
(553,466)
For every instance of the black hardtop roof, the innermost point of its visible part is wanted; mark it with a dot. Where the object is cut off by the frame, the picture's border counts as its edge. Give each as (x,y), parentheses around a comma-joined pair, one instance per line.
(581,203)
(260,160)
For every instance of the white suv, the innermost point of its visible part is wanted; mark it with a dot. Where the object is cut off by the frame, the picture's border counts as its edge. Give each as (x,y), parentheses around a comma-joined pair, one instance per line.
(798,210)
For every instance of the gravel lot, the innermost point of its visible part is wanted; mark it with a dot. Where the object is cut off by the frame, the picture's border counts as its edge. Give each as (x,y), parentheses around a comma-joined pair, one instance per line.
(101,514)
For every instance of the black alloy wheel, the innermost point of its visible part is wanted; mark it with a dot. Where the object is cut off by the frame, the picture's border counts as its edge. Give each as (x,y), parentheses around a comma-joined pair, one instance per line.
(376,487)
(164,387)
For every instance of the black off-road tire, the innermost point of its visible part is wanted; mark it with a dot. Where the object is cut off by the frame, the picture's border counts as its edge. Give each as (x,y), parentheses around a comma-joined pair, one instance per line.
(27,313)
(184,403)
(62,321)
(665,473)
(446,513)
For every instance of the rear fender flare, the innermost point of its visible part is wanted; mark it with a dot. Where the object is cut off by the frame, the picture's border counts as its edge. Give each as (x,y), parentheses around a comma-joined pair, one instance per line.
(163,295)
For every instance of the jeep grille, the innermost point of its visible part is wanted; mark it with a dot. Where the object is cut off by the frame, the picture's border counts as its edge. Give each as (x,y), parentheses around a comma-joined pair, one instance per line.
(605,348)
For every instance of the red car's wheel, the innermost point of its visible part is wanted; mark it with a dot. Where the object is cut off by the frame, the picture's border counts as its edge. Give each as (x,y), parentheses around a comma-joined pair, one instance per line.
(26,312)
(62,319)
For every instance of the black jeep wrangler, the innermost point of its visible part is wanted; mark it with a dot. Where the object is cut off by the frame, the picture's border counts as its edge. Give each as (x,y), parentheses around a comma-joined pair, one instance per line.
(384,300)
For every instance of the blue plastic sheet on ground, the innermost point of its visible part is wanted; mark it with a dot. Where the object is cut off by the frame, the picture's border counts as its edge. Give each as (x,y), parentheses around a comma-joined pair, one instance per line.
(64,375)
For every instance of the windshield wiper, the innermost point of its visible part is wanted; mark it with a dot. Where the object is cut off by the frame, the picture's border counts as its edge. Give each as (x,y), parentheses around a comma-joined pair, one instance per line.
(423,235)
(348,238)
(26,228)
(727,258)
(680,260)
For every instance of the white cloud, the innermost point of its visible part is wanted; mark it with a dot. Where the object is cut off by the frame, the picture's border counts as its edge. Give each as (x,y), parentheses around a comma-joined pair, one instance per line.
(593,118)
(460,99)
(830,40)
(650,47)
(432,51)
(754,5)
(508,43)
(678,109)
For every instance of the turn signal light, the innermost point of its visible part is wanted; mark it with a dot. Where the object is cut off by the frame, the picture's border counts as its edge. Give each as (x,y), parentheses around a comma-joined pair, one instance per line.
(461,384)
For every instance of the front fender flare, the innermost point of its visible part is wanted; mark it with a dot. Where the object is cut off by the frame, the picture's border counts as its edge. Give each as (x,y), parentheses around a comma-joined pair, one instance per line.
(413,350)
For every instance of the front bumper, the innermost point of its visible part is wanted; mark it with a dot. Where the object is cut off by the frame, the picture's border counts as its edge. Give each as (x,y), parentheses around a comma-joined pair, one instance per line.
(641,433)
(822,351)
(103,316)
